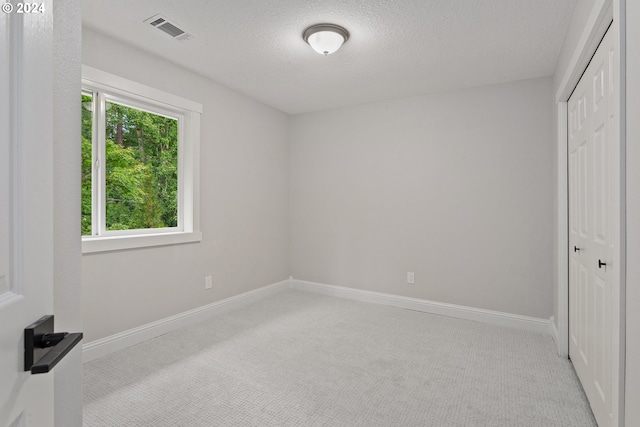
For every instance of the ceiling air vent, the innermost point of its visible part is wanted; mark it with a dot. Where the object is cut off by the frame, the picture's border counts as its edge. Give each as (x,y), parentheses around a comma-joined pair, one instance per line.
(169,27)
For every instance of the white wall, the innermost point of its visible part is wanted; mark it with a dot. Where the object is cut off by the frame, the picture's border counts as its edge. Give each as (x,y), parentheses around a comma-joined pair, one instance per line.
(633,214)
(456,187)
(67,268)
(244,204)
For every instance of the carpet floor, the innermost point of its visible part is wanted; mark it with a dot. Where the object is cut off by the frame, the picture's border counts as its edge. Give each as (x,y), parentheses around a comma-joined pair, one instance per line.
(301,359)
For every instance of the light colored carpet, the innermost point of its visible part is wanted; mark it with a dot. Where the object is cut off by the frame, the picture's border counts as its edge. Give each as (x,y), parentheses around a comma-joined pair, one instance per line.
(300,359)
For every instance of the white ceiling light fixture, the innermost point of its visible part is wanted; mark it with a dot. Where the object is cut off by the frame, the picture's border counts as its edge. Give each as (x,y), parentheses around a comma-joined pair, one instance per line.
(325,38)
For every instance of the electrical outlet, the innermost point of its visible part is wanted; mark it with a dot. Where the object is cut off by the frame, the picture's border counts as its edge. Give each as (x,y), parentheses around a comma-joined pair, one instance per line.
(411,279)
(208,282)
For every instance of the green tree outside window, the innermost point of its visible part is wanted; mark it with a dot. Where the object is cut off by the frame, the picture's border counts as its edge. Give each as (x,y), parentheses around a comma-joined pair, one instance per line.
(141,168)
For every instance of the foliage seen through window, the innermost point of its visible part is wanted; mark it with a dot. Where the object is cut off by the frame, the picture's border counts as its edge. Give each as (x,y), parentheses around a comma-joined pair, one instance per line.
(141,168)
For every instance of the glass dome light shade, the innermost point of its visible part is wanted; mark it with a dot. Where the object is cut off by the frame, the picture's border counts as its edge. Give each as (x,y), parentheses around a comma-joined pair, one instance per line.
(325,38)
(325,42)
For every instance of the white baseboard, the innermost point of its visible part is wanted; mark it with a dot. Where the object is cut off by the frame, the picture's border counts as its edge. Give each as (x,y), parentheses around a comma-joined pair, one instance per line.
(98,348)
(104,346)
(461,312)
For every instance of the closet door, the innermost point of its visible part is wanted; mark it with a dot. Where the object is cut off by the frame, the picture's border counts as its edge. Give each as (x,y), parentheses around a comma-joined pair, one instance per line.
(594,230)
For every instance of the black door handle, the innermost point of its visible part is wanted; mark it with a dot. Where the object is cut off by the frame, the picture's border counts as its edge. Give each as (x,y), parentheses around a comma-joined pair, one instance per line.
(43,348)
(576,249)
(600,263)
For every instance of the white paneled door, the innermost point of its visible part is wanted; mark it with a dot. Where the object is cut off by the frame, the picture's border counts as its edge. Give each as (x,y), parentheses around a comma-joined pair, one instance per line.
(26,205)
(594,230)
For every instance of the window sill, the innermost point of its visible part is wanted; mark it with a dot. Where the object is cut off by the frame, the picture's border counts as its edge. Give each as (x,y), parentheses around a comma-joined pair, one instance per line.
(118,243)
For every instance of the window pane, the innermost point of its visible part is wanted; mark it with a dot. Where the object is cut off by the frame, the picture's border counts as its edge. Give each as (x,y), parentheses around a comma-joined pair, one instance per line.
(141,169)
(87,136)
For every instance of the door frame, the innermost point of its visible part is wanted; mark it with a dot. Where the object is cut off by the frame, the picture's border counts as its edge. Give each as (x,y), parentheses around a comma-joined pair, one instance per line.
(67,288)
(602,13)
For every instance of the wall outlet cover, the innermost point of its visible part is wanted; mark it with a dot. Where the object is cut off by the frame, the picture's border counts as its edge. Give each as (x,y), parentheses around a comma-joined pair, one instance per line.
(411,279)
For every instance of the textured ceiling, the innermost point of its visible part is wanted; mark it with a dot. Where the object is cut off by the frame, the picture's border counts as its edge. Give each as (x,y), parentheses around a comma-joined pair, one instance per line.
(397,48)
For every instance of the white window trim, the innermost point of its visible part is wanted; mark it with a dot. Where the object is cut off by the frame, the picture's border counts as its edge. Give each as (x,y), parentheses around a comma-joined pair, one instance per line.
(189,165)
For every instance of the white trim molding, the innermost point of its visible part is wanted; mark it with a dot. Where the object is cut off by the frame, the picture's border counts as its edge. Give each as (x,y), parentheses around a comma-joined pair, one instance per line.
(599,19)
(120,85)
(532,324)
(562,234)
(104,346)
(92,244)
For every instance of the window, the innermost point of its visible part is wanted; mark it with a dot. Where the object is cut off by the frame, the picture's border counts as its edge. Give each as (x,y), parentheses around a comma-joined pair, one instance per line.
(139,165)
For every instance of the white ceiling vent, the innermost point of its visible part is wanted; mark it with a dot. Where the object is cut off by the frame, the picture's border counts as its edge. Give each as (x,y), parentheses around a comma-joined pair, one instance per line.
(169,27)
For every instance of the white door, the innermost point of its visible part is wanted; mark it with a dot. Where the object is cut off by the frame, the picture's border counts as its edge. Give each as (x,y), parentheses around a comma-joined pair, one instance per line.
(594,231)
(26,207)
